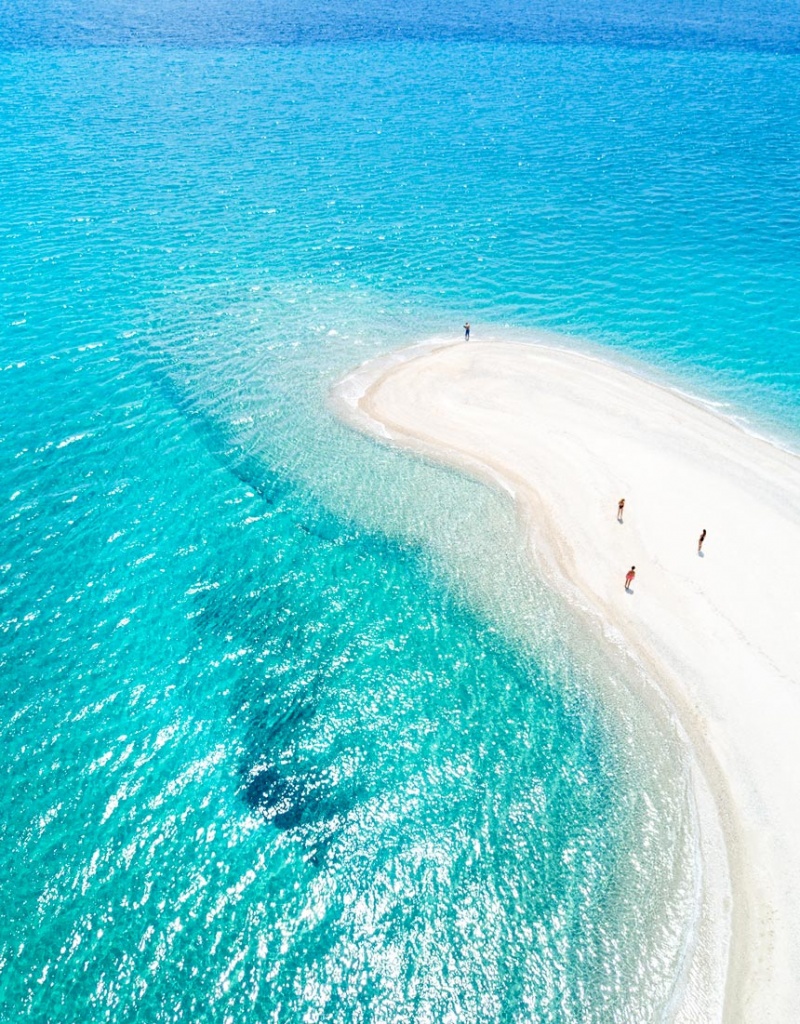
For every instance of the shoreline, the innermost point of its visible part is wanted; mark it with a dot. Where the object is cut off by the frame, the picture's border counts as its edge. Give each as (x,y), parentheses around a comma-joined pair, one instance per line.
(562,432)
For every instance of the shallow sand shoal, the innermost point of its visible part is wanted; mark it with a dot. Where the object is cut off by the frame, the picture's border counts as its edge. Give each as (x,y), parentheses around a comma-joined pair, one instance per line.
(569,436)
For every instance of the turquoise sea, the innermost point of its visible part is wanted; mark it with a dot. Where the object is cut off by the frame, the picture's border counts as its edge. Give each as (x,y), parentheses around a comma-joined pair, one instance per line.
(291,729)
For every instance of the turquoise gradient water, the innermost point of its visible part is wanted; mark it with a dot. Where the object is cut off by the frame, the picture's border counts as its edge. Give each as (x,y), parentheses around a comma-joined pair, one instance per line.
(291,729)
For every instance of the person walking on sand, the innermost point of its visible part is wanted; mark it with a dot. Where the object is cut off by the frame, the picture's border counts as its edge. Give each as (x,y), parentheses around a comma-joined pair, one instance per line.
(466,331)
(700,542)
(620,509)
(630,577)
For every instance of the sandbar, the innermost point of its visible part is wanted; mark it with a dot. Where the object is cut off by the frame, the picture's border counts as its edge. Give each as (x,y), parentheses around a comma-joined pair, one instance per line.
(568,435)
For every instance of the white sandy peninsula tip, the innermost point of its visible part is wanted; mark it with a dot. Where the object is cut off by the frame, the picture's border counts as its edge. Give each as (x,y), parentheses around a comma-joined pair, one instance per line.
(569,436)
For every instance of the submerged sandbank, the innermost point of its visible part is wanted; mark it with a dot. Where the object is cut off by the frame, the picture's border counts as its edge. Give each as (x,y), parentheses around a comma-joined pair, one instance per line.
(719,631)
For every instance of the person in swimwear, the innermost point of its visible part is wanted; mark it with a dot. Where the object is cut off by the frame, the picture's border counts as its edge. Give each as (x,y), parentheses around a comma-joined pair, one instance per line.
(700,542)
(620,509)
(630,577)
(466,331)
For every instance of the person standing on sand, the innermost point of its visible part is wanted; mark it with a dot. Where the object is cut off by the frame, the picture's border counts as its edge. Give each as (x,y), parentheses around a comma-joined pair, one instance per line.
(630,577)
(700,542)
(466,331)
(620,509)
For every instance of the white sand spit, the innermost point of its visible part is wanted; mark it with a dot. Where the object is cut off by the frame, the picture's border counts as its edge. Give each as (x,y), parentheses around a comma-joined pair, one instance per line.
(570,435)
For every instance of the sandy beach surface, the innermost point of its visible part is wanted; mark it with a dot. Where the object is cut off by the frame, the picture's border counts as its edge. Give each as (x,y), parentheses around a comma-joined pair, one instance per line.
(719,631)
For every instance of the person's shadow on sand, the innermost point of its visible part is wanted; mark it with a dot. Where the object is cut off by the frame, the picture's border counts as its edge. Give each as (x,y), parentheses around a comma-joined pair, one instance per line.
(701,554)
(629,590)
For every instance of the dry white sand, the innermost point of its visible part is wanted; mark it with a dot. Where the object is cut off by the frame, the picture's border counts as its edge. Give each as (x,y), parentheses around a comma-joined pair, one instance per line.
(570,435)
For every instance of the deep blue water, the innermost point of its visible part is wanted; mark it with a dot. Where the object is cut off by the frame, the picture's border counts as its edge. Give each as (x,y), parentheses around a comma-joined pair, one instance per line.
(670,24)
(290,729)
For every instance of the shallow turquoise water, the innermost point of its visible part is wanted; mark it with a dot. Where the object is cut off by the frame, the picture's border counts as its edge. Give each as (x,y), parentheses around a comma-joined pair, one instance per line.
(285,737)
